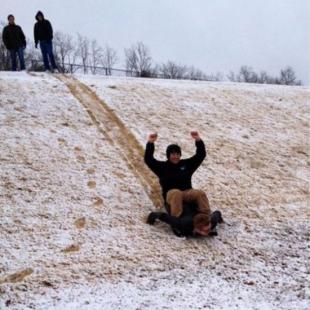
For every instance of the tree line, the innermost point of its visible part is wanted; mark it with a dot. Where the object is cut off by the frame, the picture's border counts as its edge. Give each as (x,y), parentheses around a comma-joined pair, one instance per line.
(81,53)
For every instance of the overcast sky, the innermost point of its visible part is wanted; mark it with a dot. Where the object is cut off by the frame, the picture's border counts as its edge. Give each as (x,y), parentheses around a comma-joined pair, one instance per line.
(214,35)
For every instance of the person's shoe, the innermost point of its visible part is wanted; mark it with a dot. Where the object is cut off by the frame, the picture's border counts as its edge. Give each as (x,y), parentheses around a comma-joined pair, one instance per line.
(153,216)
(221,218)
(218,216)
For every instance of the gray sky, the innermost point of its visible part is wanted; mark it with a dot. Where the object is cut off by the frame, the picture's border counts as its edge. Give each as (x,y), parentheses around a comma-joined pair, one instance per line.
(213,35)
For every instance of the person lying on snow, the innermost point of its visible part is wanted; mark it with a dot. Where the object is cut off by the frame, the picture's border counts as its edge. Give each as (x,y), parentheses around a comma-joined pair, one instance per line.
(175,178)
(190,223)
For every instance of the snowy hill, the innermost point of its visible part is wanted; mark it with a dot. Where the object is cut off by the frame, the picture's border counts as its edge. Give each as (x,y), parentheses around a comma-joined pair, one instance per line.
(75,194)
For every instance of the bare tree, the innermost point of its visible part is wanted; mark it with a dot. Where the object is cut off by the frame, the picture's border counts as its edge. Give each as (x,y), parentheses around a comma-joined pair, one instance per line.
(83,51)
(195,74)
(155,72)
(131,61)
(232,77)
(64,49)
(218,76)
(4,55)
(288,77)
(109,59)
(171,70)
(138,59)
(263,78)
(96,56)
(33,57)
(247,75)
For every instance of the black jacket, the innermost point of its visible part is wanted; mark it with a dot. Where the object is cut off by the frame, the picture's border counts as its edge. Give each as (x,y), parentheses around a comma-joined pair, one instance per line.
(13,37)
(43,30)
(178,176)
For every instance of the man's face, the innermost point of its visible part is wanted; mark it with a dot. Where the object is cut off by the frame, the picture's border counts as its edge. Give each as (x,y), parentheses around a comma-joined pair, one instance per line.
(203,230)
(11,20)
(40,18)
(174,158)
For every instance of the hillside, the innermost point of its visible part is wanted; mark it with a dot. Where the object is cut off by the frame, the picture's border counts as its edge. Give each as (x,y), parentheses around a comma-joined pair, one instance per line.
(75,194)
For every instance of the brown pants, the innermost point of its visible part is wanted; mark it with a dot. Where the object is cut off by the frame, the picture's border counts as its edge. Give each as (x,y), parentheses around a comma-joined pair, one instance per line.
(176,197)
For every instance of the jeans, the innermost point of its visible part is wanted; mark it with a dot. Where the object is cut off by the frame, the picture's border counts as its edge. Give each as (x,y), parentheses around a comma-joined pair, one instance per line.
(20,53)
(47,54)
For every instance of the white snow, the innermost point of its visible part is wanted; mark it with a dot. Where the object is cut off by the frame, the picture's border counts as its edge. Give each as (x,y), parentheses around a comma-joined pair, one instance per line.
(73,209)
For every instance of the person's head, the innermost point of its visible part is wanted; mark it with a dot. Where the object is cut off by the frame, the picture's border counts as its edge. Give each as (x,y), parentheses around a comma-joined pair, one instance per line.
(202,224)
(173,153)
(11,19)
(39,16)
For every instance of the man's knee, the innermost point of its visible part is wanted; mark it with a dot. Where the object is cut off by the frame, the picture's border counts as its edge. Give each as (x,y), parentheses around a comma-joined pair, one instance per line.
(175,202)
(201,193)
(173,193)
(196,194)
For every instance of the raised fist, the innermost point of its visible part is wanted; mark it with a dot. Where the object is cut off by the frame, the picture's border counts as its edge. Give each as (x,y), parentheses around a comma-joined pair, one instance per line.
(195,135)
(152,137)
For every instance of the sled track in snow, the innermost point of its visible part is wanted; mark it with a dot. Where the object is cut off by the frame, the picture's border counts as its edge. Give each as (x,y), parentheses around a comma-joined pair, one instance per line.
(114,130)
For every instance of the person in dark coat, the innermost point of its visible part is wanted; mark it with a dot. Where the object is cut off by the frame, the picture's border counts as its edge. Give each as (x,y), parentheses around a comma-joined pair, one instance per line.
(43,34)
(175,176)
(15,41)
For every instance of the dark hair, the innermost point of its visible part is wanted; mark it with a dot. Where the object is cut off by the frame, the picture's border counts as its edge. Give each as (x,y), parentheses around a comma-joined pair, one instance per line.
(9,16)
(173,148)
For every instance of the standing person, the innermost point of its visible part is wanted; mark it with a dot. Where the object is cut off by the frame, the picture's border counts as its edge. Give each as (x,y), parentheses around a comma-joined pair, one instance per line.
(175,176)
(43,33)
(15,41)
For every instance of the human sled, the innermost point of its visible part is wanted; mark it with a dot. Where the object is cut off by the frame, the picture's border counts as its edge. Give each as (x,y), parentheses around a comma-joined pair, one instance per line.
(185,224)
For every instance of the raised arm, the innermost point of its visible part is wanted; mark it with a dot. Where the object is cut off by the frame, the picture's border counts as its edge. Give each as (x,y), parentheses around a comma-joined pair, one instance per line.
(149,159)
(196,160)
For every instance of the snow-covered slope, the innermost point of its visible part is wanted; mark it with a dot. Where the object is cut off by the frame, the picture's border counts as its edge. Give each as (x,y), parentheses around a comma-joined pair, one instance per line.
(74,195)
